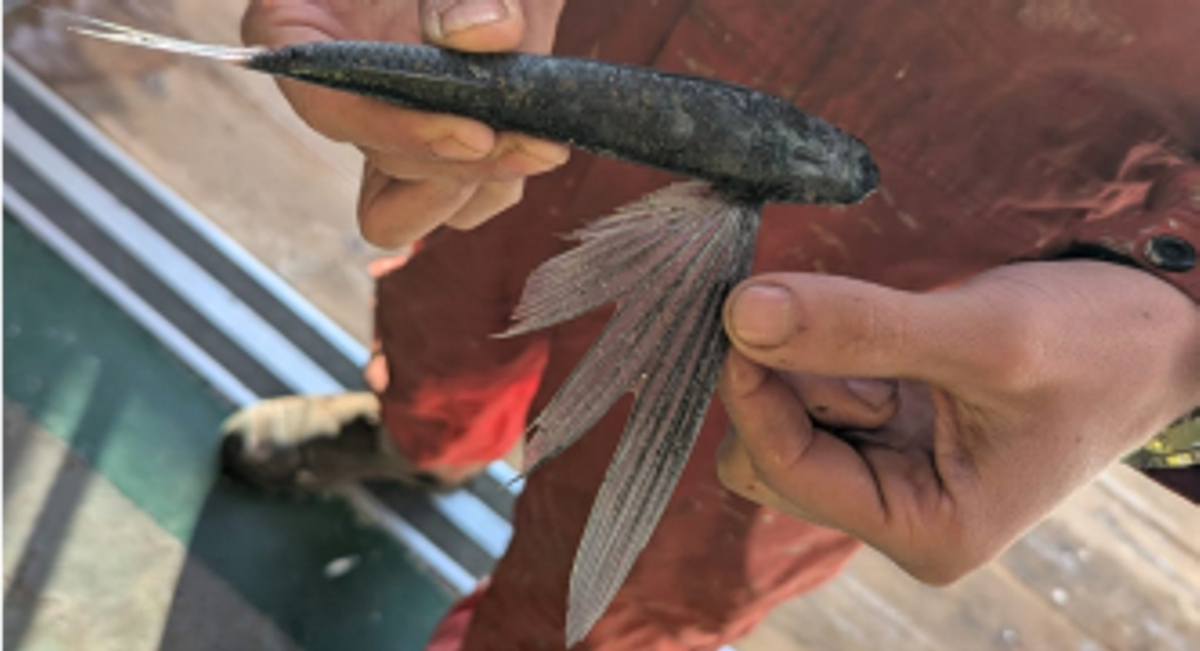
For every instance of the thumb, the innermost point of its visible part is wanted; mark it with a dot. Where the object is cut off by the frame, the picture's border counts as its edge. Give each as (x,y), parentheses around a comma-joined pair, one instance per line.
(474,25)
(832,326)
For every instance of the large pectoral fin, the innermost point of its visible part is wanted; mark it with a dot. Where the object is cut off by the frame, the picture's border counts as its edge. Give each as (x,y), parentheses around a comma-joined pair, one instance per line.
(654,257)
(669,260)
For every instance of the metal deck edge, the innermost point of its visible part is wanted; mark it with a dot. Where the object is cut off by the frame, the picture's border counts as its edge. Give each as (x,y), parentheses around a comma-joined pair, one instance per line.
(475,520)
(207,235)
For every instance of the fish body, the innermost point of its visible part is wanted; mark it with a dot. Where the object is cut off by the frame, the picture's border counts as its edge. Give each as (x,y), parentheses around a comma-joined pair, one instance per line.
(667,261)
(744,142)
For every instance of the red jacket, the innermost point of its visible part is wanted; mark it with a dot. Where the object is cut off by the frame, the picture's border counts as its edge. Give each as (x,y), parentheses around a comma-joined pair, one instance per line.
(1004,130)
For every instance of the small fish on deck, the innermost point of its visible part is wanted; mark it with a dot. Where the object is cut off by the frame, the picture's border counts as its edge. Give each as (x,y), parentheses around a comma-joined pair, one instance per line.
(667,261)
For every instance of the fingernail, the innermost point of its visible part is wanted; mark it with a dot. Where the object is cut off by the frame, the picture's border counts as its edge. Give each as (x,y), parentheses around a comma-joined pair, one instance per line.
(451,148)
(465,14)
(522,161)
(762,315)
(549,155)
(876,393)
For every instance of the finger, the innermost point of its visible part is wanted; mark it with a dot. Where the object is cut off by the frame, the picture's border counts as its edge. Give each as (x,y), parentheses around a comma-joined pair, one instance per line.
(365,122)
(845,403)
(489,200)
(541,24)
(519,156)
(734,468)
(737,473)
(514,157)
(814,471)
(396,213)
(911,425)
(275,25)
(415,167)
(834,326)
(474,25)
(344,117)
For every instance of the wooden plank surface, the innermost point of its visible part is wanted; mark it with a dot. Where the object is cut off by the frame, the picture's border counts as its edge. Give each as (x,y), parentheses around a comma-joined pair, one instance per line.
(222,138)
(1118,567)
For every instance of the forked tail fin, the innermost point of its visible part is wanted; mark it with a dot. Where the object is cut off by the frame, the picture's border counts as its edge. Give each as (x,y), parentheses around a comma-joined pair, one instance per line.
(105,30)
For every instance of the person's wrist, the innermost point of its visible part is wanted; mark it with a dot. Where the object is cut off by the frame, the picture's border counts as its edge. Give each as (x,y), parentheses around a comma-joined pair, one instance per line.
(1177,445)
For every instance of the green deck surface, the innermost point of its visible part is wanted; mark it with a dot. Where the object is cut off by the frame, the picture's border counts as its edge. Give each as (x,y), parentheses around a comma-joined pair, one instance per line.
(86,372)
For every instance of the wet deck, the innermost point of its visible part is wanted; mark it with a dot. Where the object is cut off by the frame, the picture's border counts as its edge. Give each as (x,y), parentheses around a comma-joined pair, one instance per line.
(1118,567)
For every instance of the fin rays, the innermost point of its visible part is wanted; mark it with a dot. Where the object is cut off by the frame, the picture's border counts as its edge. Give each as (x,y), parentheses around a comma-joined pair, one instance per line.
(105,30)
(630,346)
(661,431)
(669,261)
(617,254)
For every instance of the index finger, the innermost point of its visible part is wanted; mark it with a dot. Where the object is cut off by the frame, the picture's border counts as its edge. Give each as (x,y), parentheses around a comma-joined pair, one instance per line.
(376,125)
(820,475)
(366,122)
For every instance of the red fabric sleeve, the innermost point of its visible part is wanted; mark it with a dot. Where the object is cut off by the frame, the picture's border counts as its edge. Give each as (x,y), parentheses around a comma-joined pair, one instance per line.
(452,393)
(1150,215)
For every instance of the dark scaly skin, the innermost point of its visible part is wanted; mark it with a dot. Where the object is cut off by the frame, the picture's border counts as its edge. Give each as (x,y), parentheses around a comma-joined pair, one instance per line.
(750,145)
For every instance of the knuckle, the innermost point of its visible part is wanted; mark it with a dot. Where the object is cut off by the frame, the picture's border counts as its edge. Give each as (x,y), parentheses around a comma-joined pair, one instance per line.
(939,574)
(454,139)
(732,470)
(868,329)
(489,201)
(938,567)
(545,152)
(407,211)
(395,167)
(742,486)
(256,24)
(551,5)
(251,20)
(929,544)
(1019,328)
(509,195)
(727,473)
(958,552)
(376,229)
(747,490)
(1016,358)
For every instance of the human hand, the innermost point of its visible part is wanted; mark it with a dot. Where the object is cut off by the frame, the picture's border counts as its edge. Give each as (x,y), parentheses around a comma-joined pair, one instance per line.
(421,169)
(991,402)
